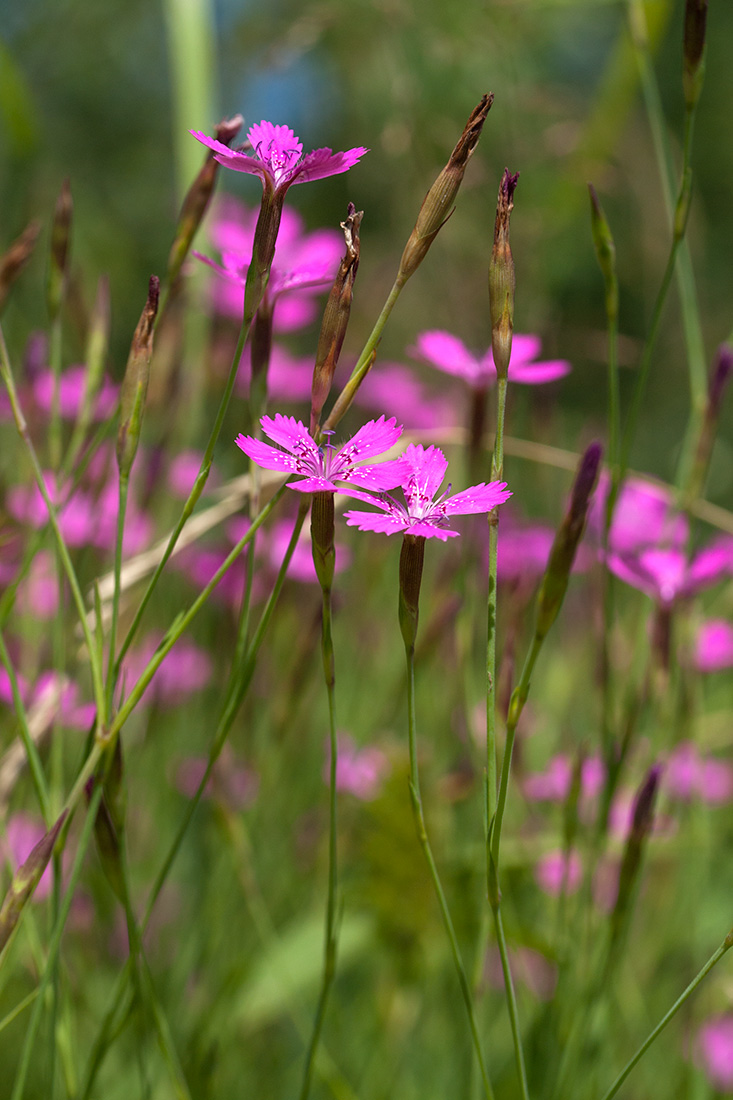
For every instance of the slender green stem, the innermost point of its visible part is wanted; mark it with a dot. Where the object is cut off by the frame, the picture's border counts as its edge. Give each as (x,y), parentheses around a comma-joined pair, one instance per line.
(497,473)
(239,681)
(121,512)
(511,1001)
(20,1007)
(54,945)
(194,495)
(656,1032)
(419,817)
(96,671)
(330,943)
(34,760)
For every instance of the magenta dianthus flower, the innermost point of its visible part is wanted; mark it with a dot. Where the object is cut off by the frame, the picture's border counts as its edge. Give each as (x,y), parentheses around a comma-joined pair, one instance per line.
(423,472)
(321,467)
(277,157)
(449,354)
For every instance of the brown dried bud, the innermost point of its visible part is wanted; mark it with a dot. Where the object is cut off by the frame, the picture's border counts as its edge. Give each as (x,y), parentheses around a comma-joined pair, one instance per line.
(501,277)
(59,258)
(135,382)
(437,204)
(16,257)
(198,198)
(336,317)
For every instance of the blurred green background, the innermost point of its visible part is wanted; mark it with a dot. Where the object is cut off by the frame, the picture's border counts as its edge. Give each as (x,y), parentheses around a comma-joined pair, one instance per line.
(105,92)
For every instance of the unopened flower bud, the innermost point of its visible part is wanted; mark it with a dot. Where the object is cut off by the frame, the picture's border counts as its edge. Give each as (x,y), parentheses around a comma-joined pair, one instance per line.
(501,278)
(412,557)
(336,317)
(605,252)
(693,48)
(198,198)
(641,827)
(16,257)
(135,382)
(437,204)
(25,880)
(722,369)
(562,554)
(58,261)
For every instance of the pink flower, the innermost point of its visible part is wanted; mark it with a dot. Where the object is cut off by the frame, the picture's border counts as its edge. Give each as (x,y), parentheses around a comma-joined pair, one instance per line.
(688,775)
(715,1040)
(63,695)
(665,574)
(229,781)
(361,772)
(322,467)
(644,516)
(71,391)
(528,966)
(183,471)
(395,386)
(277,157)
(76,515)
(449,354)
(288,379)
(553,785)
(423,472)
(303,263)
(557,872)
(184,671)
(714,646)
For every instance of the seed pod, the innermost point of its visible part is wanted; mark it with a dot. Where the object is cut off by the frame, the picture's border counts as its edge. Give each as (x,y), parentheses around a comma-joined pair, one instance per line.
(135,382)
(335,317)
(198,198)
(59,257)
(693,49)
(437,204)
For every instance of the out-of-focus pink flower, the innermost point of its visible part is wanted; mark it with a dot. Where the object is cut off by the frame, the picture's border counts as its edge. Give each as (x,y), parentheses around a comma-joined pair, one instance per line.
(394,386)
(557,872)
(184,671)
(322,467)
(24,832)
(361,772)
(665,574)
(535,970)
(304,263)
(714,646)
(277,157)
(423,472)
(68,710)
(689,775)
(38,594)
(138,525)
(644,516)
(229,781)
(200,565)
(449,354)
(288,379)
(183,471)
(522,552)
(76,516)
(553,785)
(715,1045)
(71,392)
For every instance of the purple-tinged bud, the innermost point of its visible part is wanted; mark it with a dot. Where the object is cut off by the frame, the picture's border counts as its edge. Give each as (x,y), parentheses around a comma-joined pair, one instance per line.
(335,317)
(198,198)
(412,557)
(605,252)
(693,49)
(562,554)
(641,827)
(59,257)
(501,278)
(437,204)
(719,378)
(16,257)
(25,880)
(135,382)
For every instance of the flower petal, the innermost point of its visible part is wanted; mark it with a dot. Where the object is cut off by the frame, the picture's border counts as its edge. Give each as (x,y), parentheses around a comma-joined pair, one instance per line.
(268,457)
(322,162)
(479,498)
(447,353)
